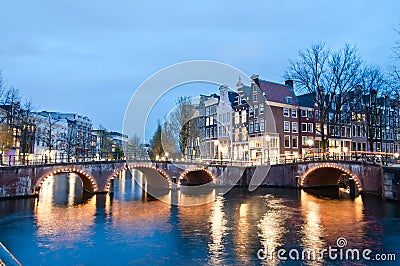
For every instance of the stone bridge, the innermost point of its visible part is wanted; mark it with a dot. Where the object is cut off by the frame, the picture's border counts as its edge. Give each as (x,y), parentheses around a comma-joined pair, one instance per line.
(96,176)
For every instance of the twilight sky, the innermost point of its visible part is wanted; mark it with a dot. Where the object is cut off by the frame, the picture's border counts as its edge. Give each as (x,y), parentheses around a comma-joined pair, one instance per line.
(90,56)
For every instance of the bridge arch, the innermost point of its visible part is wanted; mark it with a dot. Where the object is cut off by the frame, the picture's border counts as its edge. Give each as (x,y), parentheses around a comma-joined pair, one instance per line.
(326,174)
(203,176)
(142,168)
(88,182)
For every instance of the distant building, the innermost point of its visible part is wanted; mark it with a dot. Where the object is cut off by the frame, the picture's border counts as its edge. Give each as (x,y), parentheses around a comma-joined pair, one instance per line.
(79,136)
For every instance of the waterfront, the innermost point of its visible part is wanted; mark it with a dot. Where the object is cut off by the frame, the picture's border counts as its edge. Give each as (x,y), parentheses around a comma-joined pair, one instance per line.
(65,227)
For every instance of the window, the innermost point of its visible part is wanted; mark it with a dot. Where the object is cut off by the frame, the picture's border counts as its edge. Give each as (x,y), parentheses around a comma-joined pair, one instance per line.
(261,109)
(286,126)
(236,134)
(286,112)
(256,128)
(287,141)
(255,88)
(256,112)
(316,114)
(207,121)
(237,121)
(295,142)
(289,99)
(303,113)
(304,140)
(251,126)
(294,113)
(244,133)
(255,97)
(294,127)
(244,116)
(310,127)
(310,114)
(304,127)
(262,125)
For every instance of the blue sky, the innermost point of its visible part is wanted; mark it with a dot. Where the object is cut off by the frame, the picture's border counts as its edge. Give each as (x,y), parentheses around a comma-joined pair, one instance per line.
(90,56)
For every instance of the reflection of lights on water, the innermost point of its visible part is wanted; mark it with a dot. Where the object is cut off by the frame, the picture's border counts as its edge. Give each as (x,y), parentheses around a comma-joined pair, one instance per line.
(312,228)
(272,225)
(243,210)
(72,179)
(242,234)
(218,229)
(327,219)
(122,178)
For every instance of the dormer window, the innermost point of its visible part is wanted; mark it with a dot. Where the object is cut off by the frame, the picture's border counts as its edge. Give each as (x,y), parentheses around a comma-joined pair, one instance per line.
(289,100)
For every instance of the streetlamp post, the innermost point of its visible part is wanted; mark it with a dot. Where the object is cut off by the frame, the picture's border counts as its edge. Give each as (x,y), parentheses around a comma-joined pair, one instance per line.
(268,139)
(345,150)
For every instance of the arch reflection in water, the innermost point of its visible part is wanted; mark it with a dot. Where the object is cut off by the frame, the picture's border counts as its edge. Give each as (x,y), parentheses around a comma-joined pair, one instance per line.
(64,189)
(325,220)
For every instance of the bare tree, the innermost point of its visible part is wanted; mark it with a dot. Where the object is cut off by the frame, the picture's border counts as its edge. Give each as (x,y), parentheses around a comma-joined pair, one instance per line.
(134,149)
(365,103)
(70,143)
(50,132)
(105,142)
(28,129)
(177,129)
(330,76)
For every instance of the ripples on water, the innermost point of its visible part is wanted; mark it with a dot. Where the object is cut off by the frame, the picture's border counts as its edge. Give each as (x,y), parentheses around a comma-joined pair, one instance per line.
(66,227)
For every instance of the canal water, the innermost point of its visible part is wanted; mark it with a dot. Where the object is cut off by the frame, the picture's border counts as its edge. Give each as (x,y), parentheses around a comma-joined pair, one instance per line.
(66,227)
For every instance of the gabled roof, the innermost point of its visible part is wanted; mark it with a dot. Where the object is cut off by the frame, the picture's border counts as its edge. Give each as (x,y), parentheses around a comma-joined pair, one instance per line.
(276,92)
(306,100)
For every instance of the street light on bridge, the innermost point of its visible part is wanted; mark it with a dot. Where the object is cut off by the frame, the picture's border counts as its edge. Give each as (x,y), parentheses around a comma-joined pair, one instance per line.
(310,143)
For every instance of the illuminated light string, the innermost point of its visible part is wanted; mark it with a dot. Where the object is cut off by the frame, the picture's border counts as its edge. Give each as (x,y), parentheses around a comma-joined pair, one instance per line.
(197,169)
(68,170)
(309,171)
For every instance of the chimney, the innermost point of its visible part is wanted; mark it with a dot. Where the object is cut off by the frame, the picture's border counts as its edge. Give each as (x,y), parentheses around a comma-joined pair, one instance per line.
(289,82)
(254,77)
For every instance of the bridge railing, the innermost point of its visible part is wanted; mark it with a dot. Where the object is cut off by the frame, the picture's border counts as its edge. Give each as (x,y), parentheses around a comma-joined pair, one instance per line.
(40,159)
(365,157)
